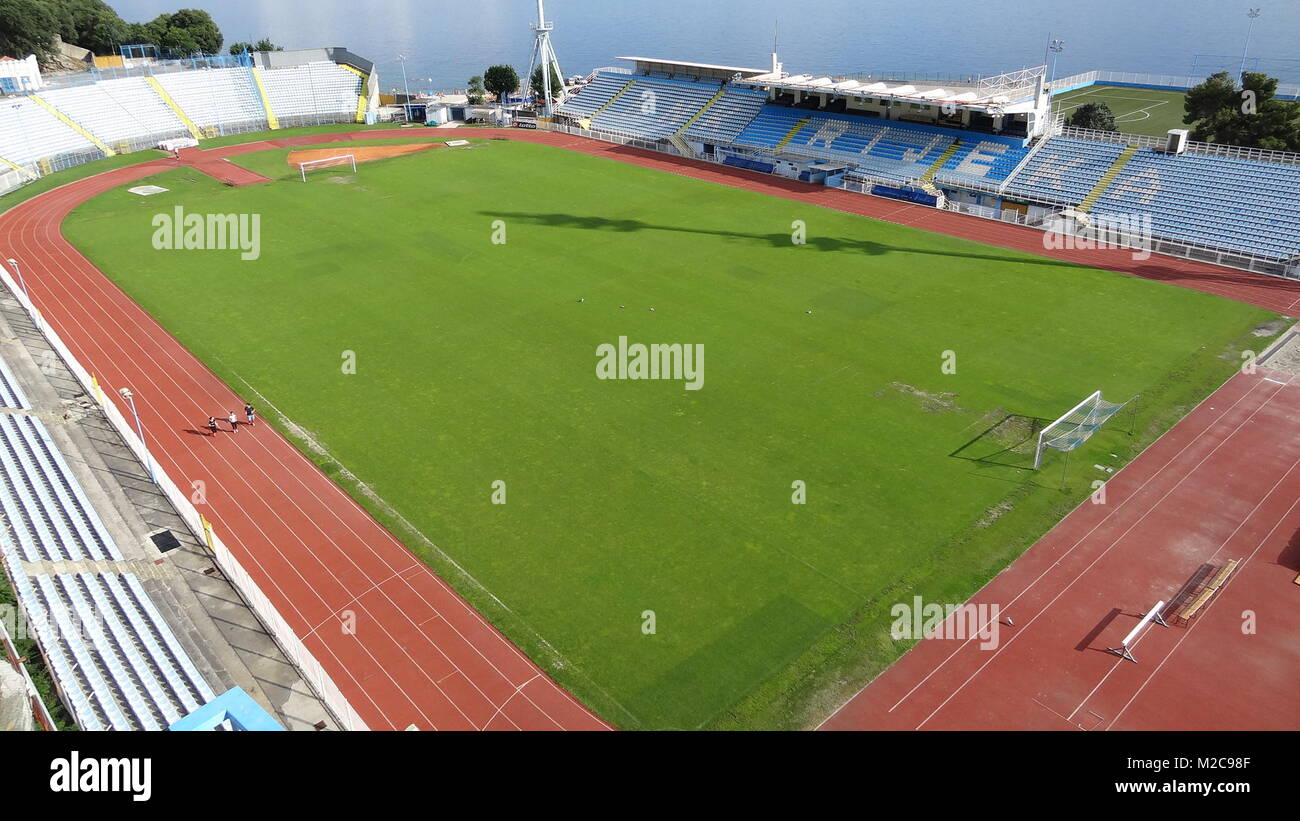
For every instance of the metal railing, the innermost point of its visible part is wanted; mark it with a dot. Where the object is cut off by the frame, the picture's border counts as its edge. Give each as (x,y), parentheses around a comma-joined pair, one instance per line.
(1176,81)
(1193,147)
(10,650)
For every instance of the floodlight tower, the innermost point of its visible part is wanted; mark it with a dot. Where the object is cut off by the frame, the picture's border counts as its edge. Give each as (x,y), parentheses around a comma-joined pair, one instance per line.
(544,56)
(1252,14)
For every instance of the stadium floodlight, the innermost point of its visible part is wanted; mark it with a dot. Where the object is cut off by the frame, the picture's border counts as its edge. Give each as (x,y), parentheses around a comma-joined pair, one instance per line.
(148,459)
(1253,14)
(18,272)
(327,162)
(407,106)
(544,56)
(1056,47)
(1077,426)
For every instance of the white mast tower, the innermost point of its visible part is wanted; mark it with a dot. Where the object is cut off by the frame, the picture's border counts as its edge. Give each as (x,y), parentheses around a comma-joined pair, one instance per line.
(544,55)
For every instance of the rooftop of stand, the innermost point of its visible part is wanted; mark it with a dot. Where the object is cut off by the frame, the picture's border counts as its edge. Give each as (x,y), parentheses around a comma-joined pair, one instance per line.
(684,67)
(1009,93)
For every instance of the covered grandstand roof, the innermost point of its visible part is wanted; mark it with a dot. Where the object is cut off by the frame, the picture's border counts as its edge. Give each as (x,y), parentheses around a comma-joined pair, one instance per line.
(1010,93)
(685,66)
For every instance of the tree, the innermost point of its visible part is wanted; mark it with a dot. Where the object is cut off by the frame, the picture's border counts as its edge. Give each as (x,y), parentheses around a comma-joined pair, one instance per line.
(261,45)
(90,24)
(1096,116)
(27,27)
(1205,100)
(475,92)
(1248,115)
(188,31)
(500,81)
(535,82)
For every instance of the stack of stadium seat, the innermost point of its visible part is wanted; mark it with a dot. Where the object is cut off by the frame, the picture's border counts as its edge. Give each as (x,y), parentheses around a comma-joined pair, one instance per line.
(219,98)
(654,108)
(1233,204)
(314,92)
(118,663)
(889,149)
(29,133)
(983,158)
(724,121)
(770,126)
(1064,170)
(594,95)
(118,111)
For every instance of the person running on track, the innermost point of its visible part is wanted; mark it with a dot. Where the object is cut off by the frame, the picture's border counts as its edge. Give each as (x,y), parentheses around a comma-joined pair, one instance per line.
(212,425)
(250,413)
(234,422)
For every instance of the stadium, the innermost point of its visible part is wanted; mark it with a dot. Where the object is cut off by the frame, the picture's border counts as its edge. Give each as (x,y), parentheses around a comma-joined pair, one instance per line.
(683,396)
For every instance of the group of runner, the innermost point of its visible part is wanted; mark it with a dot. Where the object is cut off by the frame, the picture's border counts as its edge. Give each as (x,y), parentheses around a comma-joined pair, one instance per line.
(251,415)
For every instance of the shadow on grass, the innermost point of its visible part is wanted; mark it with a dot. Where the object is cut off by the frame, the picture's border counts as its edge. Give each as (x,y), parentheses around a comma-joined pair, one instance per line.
(780,240)
(1009,442)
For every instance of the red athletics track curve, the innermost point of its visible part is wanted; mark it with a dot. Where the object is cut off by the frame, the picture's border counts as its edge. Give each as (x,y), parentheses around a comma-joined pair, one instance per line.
(1223,484)
(420,655)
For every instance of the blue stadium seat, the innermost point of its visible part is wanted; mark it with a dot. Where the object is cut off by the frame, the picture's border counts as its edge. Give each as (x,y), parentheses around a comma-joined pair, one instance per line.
(1243,206)
(885,148)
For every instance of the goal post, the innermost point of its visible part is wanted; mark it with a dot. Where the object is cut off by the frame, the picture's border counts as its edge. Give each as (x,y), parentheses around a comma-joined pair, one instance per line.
(1076,426)
(327,162)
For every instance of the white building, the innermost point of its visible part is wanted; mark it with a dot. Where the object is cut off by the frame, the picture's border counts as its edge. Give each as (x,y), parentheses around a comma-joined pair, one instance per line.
(19,75)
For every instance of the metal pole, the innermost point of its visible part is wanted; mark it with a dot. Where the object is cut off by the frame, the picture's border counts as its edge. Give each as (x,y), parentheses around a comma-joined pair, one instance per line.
(139,429)
(407,107)
(18,273)
(1252,14)
(1056,47)
(31,306)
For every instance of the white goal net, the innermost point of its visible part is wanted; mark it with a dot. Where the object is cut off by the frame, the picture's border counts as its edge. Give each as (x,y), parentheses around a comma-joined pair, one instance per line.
(327,162)
(1077,426)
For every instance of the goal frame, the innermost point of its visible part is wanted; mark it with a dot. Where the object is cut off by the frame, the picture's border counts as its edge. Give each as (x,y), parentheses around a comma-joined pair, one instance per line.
(326,162)
(1038,452)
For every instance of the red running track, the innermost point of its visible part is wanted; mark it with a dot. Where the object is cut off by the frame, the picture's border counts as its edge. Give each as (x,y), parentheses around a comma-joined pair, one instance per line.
(1222,484)
(420,655)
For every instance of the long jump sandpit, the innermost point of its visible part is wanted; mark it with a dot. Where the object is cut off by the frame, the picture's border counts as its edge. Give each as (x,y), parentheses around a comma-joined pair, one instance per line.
(362,153)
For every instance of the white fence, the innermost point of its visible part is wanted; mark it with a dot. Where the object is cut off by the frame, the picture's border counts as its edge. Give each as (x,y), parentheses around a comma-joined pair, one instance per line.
(618,139)
(279,629)
(1193,147)
(1176,81)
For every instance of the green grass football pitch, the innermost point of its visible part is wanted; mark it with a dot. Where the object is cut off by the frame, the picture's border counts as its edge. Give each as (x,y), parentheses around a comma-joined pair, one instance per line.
(1137,110)
(476,362)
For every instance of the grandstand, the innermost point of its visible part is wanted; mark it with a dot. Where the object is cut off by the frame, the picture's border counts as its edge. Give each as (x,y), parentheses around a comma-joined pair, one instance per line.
(218,100)
(1249,207)
(983,145)
(120,113)
(90,116)
(304,94)
(118,664)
